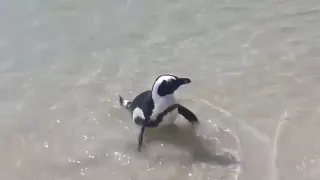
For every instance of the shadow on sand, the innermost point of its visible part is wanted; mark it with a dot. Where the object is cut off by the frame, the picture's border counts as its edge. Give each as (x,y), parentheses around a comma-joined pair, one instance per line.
(186,138)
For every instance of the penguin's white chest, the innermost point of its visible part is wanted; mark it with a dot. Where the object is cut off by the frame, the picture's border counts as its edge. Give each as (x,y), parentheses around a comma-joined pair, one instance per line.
(161,104)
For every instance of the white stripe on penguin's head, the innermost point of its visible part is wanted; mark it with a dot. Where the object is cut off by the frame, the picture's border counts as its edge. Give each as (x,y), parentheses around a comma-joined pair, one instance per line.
(167,84)
(163,92)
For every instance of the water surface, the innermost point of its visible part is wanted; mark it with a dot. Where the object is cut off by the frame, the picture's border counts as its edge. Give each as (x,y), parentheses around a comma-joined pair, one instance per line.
(255,72)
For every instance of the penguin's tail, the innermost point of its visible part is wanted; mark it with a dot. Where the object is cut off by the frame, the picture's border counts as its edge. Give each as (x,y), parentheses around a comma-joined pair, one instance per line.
(124,103)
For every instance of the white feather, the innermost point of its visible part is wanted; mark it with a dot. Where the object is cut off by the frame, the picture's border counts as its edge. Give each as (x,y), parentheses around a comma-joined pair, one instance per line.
(137,112)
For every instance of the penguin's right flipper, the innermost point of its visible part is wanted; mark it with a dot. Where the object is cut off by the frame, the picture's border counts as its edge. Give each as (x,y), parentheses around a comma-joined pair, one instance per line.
(125,103)
(186,113)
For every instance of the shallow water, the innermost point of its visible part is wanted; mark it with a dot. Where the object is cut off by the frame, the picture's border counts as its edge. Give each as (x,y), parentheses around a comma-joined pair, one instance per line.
(255,72)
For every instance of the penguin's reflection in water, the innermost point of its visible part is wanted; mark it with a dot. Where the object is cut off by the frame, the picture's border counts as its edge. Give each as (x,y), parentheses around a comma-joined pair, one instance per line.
(187,139)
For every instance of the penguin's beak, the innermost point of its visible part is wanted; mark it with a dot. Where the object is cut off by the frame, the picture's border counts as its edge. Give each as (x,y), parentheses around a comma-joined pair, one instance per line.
(182,81)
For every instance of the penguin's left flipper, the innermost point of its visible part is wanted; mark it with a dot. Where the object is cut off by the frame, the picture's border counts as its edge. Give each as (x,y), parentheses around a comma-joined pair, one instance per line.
(186,113)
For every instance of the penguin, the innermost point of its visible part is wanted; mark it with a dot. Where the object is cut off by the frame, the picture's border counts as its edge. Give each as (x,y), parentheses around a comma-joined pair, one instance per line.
(158,106)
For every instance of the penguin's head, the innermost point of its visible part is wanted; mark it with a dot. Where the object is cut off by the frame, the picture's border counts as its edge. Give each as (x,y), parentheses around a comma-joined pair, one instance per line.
(167,84)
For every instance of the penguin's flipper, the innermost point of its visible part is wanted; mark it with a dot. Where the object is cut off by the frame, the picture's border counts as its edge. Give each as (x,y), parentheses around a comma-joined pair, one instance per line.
(186,113)
(125,103)
(141,138)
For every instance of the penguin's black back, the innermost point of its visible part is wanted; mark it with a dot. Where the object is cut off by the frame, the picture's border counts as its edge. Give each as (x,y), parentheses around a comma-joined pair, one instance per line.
(145,102)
